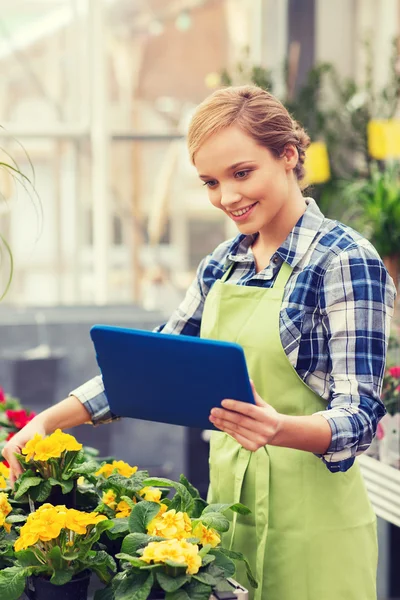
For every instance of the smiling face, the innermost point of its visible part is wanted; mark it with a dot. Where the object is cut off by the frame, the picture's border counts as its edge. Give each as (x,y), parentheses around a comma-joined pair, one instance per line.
(247,181)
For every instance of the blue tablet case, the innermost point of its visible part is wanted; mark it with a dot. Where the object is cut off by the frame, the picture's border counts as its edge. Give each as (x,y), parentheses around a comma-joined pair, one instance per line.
(169,378)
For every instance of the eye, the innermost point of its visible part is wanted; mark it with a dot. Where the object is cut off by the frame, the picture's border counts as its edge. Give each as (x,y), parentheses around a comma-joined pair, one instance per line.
(211,184)
(241,174)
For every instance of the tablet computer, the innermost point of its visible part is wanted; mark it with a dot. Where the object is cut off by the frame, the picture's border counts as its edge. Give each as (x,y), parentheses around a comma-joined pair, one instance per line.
(173,379)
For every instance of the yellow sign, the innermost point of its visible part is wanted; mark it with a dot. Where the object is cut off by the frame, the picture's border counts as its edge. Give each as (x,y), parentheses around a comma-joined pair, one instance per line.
(384,139)
(316,164)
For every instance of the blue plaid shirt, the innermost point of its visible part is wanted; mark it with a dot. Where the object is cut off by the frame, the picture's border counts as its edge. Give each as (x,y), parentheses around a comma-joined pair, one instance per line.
(334,323)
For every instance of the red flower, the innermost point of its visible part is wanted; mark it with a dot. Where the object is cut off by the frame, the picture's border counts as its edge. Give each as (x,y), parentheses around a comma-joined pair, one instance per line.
(394,372)
(19,418)
(2,396)
(10,435)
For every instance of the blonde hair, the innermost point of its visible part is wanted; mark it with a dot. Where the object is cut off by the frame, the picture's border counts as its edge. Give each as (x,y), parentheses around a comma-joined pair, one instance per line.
(257,112)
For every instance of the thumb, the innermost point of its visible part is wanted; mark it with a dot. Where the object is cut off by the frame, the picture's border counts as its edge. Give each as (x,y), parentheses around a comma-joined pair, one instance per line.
(257,398)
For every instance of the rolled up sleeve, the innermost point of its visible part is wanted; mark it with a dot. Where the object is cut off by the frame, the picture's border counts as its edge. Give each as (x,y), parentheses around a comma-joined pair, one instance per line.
(94,399)
(357,304)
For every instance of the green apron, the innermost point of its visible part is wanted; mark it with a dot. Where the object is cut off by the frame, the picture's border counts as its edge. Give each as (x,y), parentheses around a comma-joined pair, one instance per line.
(312,533)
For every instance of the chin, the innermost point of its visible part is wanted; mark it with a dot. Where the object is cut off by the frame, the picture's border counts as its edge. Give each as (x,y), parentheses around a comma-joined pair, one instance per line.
(247,228)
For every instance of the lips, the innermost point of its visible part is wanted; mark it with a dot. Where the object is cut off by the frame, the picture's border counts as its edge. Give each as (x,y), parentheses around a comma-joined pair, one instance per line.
(242,213)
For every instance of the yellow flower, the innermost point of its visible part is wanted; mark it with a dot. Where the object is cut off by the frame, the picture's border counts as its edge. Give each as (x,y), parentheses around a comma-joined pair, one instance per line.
(151,494)
(109,498)
(124,510)
(4,471)
(206,536)
(24,541)
(120,466)
(48,448)
(67,441)
(178,551)
(193,563)
(79,521)
(171,525)
(7,526)
(5,506)
(3,483)
(30,447)
(81,480)
(47,524)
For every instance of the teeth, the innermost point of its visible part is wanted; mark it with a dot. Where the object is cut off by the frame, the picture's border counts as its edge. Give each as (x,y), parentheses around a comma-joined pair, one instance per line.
(238,213)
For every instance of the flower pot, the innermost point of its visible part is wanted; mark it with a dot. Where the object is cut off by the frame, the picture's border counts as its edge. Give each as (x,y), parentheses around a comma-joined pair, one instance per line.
(57,497)
(38,588)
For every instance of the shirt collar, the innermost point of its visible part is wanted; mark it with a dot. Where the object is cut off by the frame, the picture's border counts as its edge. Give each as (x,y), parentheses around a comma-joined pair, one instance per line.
(293,248)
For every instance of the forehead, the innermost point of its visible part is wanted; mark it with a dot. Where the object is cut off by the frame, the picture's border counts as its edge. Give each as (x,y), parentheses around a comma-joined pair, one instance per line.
(225,148)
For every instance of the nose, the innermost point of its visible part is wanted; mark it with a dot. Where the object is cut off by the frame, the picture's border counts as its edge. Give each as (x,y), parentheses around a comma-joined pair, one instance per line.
(230,198)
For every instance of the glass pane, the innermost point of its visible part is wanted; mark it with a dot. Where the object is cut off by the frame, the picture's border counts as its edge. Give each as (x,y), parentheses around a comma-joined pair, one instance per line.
(164,58)
(43,51)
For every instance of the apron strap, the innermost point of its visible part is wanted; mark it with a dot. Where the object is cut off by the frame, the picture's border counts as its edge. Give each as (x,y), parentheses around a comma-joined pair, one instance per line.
(283,276)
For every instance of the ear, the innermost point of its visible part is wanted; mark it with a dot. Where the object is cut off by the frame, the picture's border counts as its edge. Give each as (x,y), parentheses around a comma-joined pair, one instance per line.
(290,156)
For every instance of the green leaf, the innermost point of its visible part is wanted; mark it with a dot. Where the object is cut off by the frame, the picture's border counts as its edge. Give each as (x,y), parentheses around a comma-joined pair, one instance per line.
(56,559)
(12,582)
(171,584)
(120,526)
(41,492)
(206,578)
(239,556)
(104,594)
(24,484)
(207,559)
(16,518)
(221,508)
(198,591)
(198,506)
(194,492)
(86,468)
(134,541)
(141,515)
(27,558)
(179,594)
(134,586)
(103,565)
(66,486)
(223,562)
(182,500)
(61,577)
(133,560)
(215,520)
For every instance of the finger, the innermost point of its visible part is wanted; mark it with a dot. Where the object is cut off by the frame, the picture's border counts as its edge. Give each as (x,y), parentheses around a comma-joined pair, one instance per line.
(243,440)
(15,467)
(238,430)
(237,419)
(243,408)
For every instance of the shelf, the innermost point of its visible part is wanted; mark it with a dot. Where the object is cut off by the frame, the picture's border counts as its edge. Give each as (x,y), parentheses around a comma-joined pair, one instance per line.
(383,485)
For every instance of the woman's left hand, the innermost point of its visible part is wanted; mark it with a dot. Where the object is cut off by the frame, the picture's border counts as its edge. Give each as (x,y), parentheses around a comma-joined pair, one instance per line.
(251,426)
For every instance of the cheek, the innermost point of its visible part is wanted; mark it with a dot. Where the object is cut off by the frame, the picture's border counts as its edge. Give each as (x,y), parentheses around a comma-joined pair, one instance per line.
(214,198)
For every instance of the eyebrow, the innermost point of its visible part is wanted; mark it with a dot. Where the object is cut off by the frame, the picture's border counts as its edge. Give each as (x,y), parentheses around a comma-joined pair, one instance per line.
(232,167)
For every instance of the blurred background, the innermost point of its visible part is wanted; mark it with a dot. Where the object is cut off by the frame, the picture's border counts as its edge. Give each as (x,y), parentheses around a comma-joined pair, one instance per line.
(106,218)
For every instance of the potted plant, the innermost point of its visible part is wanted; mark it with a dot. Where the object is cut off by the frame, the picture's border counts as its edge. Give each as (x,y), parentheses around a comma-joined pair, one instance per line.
(54,555)
(121,486)
(52,465)
(377,212)
(173,548)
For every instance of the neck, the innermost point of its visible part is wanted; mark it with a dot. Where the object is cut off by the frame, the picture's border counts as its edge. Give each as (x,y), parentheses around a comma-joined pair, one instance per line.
(275,233)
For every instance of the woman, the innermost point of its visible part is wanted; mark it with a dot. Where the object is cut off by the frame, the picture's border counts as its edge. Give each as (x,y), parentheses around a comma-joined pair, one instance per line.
(310,302)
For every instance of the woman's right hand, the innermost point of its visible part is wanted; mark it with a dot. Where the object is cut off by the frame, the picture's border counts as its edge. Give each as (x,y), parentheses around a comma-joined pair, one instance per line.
(17,442)
(67,413)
